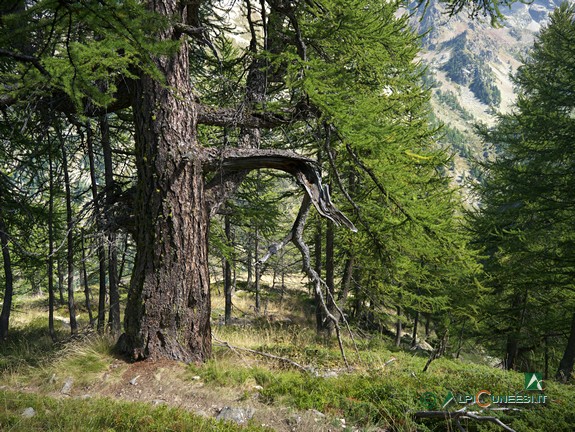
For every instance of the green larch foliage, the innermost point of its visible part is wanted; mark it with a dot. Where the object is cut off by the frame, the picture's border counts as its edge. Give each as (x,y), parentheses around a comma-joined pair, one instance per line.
(528,202)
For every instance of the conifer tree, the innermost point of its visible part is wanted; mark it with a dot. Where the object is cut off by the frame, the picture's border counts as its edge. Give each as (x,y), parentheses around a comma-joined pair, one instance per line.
(309,61)
(526,212)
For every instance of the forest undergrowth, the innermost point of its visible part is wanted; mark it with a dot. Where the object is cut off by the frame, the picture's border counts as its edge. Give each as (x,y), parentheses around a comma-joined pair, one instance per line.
(273,363)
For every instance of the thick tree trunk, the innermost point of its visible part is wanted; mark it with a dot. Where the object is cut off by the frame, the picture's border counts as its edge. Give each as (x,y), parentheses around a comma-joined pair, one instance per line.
(168,310)
(566,364)
(8,280)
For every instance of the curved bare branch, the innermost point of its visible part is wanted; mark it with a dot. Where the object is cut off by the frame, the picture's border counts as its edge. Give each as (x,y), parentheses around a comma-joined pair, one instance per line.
(231,162)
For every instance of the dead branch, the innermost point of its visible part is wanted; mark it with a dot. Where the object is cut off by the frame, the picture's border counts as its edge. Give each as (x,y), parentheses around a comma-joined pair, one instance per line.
(230,162)
(459,415)
(318,283)
(438,351)
(261,353)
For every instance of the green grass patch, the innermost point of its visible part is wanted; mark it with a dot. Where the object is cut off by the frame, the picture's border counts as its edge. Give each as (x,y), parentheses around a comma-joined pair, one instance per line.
(378,395)
(101,415)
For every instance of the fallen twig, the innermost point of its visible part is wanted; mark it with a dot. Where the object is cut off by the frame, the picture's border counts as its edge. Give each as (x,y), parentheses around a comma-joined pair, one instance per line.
(461,414)
(261,353)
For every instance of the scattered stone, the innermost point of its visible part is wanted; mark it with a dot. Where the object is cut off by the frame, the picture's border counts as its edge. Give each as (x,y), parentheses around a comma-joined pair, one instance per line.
(67,386)
(422,346)
(294,420)
(134,380)
(237,415)
(29,412)
(317,413)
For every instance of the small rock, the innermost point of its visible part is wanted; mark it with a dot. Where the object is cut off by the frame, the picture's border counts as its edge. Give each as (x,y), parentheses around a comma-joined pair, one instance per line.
(237,415)
(294,420)
(86,396)
(67,386)
(202,413)
(330,374)
(196,378)
(134,380)
(317,413)
(28,412)
(158,402)
(258,387)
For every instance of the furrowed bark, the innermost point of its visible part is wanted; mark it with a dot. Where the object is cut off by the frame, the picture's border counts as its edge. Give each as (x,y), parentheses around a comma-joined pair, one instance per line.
(168,310)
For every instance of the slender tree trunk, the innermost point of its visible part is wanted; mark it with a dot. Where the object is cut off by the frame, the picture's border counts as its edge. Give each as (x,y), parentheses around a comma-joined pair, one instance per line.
(227,275)
(123,259)
(168,310)
(258,269)
(427,325)
(8,278)
(249,265)
(100,249)
(114,317)
(566,364)
(51,296)
(398,327)
(415,325)
(87,293)
(70,241)
(511,351)
(330,275)
(60,271)
(460,342)
(546,357)
(318,268)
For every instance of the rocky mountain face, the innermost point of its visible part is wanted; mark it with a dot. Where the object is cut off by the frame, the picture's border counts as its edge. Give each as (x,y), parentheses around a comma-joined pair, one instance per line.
(469,64)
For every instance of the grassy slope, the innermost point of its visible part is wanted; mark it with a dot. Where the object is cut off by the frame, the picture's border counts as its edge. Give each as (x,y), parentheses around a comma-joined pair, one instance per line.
(375,393)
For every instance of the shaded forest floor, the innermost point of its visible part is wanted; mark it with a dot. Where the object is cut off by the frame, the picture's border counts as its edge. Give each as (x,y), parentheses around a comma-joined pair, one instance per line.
(72,385)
